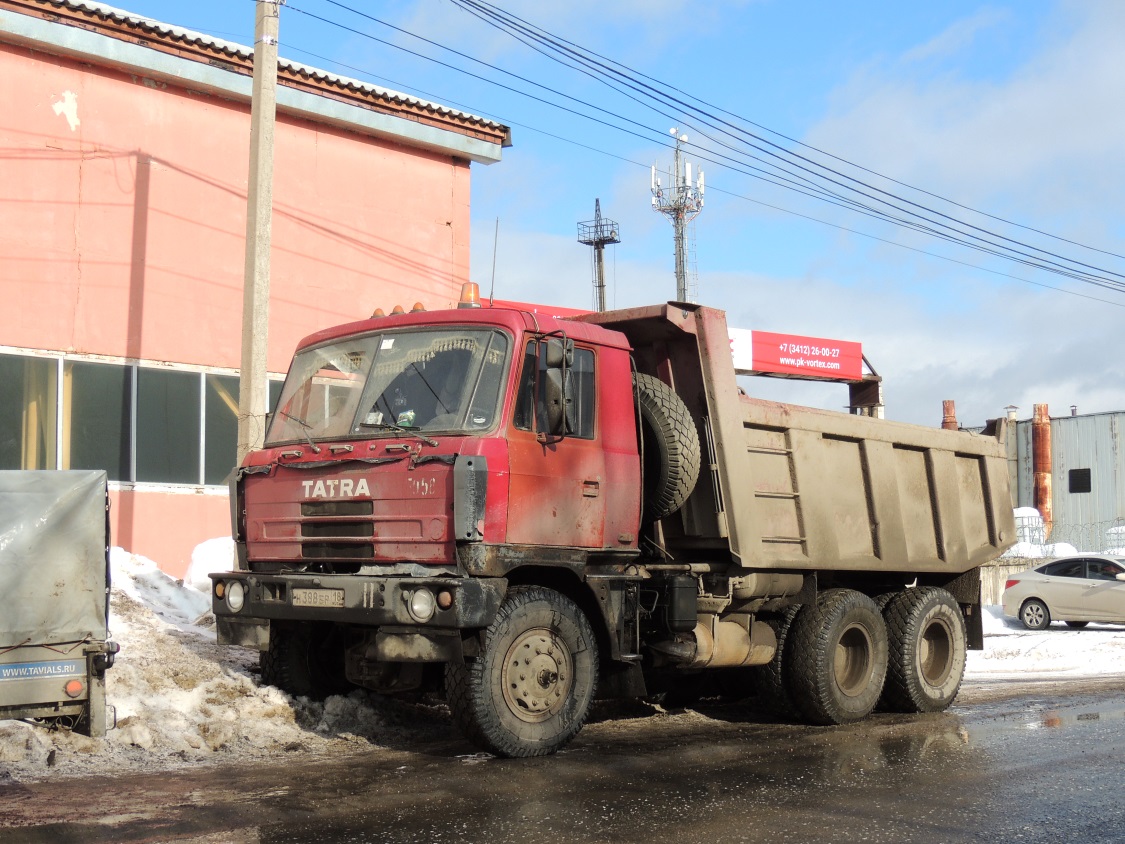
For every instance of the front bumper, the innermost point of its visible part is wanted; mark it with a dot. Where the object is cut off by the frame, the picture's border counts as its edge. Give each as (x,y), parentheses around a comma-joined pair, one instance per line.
(365,600)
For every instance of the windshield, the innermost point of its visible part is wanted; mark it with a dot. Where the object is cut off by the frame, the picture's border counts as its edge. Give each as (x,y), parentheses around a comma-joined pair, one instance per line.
(436,380)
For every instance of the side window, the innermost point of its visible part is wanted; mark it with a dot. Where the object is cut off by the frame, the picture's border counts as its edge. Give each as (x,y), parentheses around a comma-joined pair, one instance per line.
(582,389)
(583,392)
(1066,568)
(1103,570)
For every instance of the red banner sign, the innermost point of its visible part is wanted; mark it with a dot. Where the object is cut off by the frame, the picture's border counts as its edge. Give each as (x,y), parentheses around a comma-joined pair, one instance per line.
(792,354)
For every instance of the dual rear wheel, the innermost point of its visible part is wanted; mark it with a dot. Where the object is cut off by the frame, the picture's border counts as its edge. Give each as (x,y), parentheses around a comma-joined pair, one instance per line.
(846,654)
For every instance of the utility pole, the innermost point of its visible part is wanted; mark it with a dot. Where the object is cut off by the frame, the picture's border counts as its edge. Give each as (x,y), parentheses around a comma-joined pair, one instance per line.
(680,202)
(252,394)
(597,233)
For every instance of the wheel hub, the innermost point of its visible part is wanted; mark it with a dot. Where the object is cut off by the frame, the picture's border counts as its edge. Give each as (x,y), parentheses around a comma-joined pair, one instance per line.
(852,660)
(538,675)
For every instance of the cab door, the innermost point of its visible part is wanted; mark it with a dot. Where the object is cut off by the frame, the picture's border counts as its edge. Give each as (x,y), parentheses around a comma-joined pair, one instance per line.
(557,494)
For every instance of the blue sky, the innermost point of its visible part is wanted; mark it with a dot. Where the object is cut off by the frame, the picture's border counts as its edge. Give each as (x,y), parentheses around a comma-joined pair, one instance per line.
(1017,109)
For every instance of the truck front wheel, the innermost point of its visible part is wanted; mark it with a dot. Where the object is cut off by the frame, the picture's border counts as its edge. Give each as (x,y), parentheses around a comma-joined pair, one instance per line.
(927,650)
(838,657)
(529,690)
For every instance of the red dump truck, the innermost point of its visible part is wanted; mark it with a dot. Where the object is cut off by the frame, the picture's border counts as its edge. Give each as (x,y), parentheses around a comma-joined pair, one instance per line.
(533,511)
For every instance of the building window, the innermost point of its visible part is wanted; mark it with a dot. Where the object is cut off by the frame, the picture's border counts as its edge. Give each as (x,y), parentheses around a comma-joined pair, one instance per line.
(167,426)
(1079,480)
(97,416)
(28,412)
(221,426)
(138,423)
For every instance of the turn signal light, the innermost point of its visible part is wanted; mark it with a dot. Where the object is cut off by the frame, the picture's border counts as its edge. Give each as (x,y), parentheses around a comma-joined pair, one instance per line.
(470,295)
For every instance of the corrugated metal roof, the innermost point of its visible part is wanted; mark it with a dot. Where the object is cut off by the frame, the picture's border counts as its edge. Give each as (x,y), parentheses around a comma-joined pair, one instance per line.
(181,35)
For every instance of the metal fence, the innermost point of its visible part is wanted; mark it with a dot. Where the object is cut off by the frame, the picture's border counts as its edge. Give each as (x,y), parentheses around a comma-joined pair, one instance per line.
(1034,546)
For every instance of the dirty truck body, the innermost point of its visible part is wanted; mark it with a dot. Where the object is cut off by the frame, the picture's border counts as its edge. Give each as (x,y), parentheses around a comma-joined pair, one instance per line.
(532,511)
(54,575)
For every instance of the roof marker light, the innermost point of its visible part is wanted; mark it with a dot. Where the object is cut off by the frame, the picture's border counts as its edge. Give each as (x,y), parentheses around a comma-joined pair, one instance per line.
(470,295)
(418,306)
(398,309)
(378,312)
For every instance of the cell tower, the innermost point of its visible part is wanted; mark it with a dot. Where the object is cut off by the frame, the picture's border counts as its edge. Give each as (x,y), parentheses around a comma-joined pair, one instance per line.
(680,202)
(597,233)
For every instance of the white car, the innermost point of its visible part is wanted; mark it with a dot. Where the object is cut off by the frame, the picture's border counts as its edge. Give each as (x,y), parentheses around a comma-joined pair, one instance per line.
(1077,589)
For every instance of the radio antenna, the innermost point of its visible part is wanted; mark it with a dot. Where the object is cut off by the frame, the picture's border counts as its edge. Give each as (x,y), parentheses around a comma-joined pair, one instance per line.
(495,243)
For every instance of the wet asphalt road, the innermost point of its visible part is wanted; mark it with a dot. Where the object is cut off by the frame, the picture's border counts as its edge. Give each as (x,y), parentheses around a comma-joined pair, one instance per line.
(1010,763)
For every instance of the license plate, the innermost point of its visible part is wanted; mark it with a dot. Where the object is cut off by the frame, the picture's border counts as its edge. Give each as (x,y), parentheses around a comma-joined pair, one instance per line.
(318,597)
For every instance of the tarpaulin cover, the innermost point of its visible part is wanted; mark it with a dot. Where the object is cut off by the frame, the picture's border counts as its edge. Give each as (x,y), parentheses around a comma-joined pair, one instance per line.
(53,565)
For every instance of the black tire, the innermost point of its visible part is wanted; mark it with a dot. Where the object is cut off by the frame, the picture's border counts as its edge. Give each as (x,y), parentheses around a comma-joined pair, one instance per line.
(535,708)
(837,657)
(770,679)
(671,448)
(1035,615)
(927,650)
(305,660)
(1077,625)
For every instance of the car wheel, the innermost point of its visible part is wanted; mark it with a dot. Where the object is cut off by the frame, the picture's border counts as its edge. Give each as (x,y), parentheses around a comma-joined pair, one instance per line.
(1034,614)
(1078,625)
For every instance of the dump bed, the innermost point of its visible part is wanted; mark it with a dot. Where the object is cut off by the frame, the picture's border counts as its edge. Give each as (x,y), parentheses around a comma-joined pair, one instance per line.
(791,487)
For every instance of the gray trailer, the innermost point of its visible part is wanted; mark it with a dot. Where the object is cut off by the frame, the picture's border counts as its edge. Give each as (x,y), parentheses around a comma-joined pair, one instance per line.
(54,576)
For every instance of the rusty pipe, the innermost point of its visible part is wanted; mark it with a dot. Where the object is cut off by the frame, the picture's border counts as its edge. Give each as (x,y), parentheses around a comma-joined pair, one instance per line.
(1041,465)
(949,415)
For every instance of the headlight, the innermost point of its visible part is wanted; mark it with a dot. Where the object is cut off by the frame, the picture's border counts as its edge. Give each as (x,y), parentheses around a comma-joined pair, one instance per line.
(422,605)
(236,595)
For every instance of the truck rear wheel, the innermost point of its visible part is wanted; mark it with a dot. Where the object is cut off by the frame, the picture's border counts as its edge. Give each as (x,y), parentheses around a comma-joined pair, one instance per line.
(529,691)
(838,657)
(671,448)
(305,660)
(770,679)
(926,634)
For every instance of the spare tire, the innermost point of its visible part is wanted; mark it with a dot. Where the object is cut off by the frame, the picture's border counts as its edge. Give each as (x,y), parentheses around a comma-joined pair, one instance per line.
(671,448)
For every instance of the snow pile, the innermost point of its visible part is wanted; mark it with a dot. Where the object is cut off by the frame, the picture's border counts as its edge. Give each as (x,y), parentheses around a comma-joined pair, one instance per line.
(1013,652)
(181,698)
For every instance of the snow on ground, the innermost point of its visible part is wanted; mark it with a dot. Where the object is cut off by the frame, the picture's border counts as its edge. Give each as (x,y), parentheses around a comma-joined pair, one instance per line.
(181,699)
(1011,651)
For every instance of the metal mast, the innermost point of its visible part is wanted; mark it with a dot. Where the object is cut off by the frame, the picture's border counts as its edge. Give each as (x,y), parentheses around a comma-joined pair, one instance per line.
(680,202)
(597,233)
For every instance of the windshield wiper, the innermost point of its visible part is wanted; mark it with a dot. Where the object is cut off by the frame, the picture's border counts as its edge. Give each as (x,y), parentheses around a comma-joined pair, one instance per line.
(305,428)
(398,429)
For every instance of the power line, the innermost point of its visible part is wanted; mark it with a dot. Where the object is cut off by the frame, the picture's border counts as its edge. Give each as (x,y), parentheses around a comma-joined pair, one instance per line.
(501,15)
(504,22)
(782,209)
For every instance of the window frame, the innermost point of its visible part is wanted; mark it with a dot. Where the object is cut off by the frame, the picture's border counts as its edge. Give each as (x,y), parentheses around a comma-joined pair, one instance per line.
(62,408)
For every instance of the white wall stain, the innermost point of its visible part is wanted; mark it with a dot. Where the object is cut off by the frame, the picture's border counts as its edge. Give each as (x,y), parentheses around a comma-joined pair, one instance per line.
(68,108)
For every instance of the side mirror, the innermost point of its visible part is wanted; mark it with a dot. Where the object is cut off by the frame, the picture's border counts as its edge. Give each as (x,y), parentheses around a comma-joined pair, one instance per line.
(556,401)
(558,353)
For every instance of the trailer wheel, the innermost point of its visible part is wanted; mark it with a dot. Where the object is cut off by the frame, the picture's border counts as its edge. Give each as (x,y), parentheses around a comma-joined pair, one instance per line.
(838,657)
(305,660)
(529,691)
(926,635)
(770,679)
(671,448)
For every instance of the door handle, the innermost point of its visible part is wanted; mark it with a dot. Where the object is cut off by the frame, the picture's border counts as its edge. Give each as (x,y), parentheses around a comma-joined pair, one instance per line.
(591,489)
